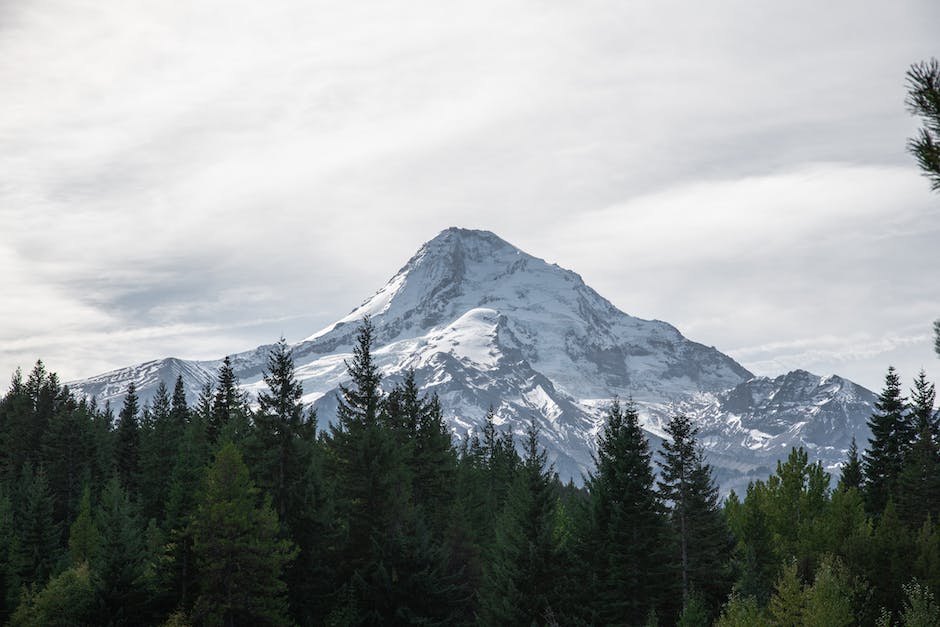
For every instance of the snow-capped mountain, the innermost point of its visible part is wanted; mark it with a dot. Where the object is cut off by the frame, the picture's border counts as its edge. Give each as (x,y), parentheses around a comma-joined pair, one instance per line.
(484,324)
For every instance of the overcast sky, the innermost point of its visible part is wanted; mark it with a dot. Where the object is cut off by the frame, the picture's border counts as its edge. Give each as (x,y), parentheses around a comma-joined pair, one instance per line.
(197,178)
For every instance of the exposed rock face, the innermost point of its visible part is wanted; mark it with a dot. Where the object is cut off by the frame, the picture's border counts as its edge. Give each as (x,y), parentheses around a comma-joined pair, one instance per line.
(484,324)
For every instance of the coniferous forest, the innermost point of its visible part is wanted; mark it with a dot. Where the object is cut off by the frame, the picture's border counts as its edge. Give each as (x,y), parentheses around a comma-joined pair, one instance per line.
(214,511)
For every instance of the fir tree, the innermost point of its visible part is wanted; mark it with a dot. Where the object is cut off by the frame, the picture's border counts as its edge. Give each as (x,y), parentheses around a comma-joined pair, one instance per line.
(84,539)
(283,432)
(786,605)
(521,576)
(852,475)
(688,486)
(178,575)
(372,484)
(282,449)
(9,552)
(240,557)
(68,456)
(121,559)
(229,415)
(179,408)
(66,600)
(883,460)
(159,445)
(629,523)
(36,531)
(128,441)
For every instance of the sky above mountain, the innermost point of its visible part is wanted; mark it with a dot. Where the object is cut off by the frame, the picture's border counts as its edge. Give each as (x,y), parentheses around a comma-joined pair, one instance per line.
(194,179)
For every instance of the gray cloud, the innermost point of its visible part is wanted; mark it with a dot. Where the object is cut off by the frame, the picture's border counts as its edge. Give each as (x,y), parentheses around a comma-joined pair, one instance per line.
(198,179)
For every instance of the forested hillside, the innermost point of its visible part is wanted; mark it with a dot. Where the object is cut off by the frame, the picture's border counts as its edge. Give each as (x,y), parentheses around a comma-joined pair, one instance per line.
(209,511)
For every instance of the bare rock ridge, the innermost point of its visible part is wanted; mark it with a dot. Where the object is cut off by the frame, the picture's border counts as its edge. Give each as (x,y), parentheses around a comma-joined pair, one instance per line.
(484,324)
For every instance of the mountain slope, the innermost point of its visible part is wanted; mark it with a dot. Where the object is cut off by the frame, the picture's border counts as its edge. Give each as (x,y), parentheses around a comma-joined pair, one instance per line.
(484,324)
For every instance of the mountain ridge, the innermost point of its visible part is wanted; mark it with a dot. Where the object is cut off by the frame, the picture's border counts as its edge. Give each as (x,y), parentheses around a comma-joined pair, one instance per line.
(483,324)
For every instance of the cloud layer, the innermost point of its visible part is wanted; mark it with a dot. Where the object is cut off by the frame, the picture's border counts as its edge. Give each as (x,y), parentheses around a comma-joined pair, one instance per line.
(199,179)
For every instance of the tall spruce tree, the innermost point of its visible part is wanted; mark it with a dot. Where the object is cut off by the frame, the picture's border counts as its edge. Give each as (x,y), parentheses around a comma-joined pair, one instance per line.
(284,433)
(121,559)
(37,534)
(371,481)
(521,576)
(883,460)
(852,473)
(158,447)
(281,452)
(240,556)
(634,553)
(229,416)
(127,450)
(688,488)
(919,481)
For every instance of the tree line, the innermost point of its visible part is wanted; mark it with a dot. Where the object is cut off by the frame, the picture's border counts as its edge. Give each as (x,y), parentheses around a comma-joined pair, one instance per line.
(217,512)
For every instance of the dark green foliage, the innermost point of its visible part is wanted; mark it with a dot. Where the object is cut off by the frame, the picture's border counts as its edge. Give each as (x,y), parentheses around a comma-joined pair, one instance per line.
(634,562)
(417,423)
(159,444)
(919,482)
(9,545)
(890,437)
(852,475)
(755,553)
(127,450)
(368,465)
(923,100)
(68,455)
(283,435)
(37,549)
(282,451)
(521,577)
(121,560)
(229,415)
(384,522)
(704,540)
(240,557)
(84,539)
(66,600)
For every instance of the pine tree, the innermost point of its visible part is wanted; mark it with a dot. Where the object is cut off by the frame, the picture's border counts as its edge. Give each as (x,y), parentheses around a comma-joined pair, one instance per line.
(128,441)
(371,481)
(178,574)
(283,432)
(521,576)
(84,539)
(67,599)
(786,605)
(36,531)
(884,458)
(240,557)
(923,100)
(629,526)
(9,552)
(755,553)
(418,424)
(372,484)
(121,559)
(159,445)
(688,486)
(229,416)
(282,448)
(828,602)
(919,480)
(852,475)
(179,407)
(67,454)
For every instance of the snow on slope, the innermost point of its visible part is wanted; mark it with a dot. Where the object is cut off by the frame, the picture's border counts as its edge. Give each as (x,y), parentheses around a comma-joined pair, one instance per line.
(484,324)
